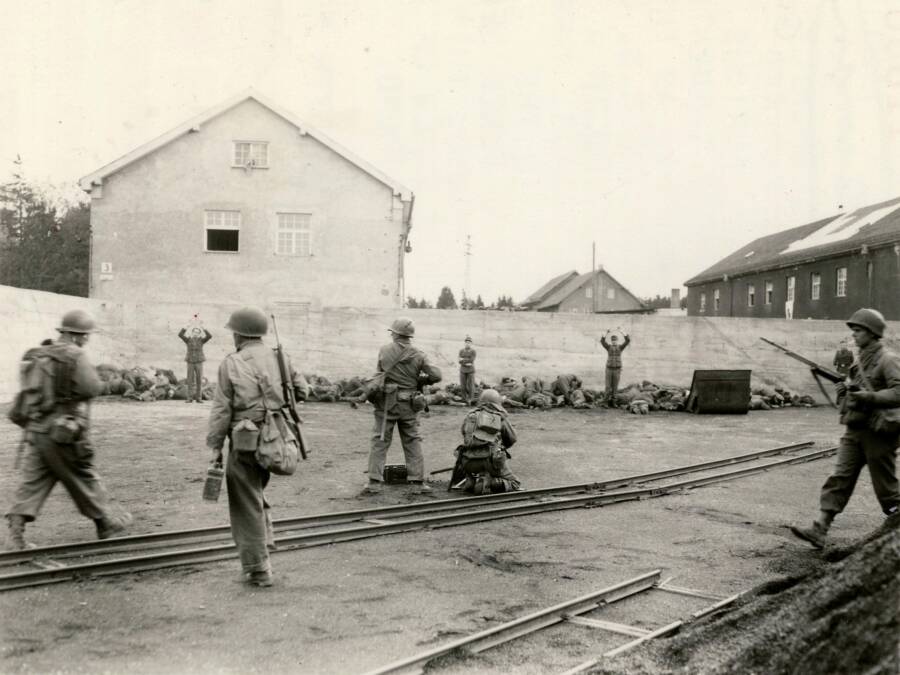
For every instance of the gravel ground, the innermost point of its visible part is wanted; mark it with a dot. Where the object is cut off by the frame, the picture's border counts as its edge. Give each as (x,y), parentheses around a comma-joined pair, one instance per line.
(351,607)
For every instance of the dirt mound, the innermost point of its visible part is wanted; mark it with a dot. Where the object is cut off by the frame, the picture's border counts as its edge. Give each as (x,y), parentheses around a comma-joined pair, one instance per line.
(839,617)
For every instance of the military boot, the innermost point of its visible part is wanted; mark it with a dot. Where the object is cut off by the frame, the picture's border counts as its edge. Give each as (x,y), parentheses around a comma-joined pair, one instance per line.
(109,526)
(16,532)
(816,534)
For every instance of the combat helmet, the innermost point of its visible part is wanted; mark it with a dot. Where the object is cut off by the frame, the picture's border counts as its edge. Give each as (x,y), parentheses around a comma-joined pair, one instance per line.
(870,319)
(249,322)
(403,326)
(77,321)
(491,396)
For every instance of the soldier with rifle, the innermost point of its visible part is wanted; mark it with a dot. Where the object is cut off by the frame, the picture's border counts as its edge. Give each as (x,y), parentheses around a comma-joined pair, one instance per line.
(870,409)
(251,380)
(395,391)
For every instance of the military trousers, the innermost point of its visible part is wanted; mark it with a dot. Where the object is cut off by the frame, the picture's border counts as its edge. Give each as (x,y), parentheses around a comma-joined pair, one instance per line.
(248,510)
(858,448)
(467,386)
(407,421)
(195,381)
(612,383)
(494,466)
(45,463)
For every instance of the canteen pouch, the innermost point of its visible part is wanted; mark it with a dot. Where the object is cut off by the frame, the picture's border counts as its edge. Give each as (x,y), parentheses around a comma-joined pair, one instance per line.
(278,449)
(65,430)
(418,402)
(245,436)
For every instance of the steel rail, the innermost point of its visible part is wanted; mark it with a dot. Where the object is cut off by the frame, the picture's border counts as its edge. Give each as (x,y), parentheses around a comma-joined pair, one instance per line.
(305,540)
(197,535)
(530,623)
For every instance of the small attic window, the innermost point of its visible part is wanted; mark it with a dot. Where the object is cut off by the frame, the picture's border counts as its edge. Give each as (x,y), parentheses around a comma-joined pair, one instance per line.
(747,255)
(251,154)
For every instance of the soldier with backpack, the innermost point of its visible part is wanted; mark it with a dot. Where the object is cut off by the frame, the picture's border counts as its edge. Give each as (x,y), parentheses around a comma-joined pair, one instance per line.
(481,459)
(58,381)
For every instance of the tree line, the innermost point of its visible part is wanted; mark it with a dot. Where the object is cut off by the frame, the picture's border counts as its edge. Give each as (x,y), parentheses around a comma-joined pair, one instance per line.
(446,300)
(44,242)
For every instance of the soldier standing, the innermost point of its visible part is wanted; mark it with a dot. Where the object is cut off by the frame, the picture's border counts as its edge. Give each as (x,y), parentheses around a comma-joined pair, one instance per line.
(875,383)
(487,436)
(613,364)
(405,369)
(195,358)
(467,371)
(242,378)
(57,434)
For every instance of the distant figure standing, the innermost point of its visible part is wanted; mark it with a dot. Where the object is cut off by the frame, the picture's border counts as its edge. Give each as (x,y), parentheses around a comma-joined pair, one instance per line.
(195,358)
(613,363)
(467,371)
(843,359)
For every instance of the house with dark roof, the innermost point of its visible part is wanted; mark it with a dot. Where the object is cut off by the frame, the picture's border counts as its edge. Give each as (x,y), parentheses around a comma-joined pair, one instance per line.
(594,292)
(822,270)
(248,204)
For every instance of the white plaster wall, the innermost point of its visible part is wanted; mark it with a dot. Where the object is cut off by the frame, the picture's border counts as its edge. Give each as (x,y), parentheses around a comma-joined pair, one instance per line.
(149,221)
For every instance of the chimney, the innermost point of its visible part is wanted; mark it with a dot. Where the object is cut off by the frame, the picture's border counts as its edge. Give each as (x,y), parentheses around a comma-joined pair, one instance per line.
(675,302)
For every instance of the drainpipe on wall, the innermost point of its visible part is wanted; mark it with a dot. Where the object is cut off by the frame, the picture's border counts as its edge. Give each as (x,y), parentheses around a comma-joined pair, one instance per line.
(404,248)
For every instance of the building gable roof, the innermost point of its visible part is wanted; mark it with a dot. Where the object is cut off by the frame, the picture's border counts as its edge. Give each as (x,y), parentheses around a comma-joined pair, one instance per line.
(842,233)
(195,123)
(549,287)
(575,284)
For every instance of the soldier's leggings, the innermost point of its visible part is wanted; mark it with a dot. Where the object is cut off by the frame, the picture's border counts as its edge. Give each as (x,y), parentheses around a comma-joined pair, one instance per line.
(407,422)
(861,447)
(45,463)
(195,381)
(248,509)
(612,382)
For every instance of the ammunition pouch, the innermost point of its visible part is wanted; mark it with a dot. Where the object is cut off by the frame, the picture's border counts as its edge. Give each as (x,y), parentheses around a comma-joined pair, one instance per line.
(65,430)
(245,436)
(418,402)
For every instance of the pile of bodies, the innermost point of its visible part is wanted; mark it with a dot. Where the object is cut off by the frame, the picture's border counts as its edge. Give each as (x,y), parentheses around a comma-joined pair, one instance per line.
(146,384)
(563,391)
(155,384)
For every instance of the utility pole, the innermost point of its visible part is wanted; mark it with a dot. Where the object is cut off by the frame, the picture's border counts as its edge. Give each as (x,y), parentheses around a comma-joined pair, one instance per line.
(593,277)
(468,280)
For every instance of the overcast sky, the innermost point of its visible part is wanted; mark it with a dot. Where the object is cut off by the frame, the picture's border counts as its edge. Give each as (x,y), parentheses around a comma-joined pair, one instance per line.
(670,133)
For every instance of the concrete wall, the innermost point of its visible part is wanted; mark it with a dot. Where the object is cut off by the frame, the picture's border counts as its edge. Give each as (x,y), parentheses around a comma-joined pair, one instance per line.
(340,342)
(148,221)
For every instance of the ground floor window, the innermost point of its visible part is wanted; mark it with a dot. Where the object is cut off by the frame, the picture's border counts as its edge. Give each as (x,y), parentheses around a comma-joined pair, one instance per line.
(840,282)
(223,231)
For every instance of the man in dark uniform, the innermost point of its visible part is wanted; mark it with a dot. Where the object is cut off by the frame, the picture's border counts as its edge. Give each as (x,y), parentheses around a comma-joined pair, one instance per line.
(243,376)
(875,383)
(57,436)
(613,364)
(398,401)
(467,372)
(487,437)
(195,358)
(843,359)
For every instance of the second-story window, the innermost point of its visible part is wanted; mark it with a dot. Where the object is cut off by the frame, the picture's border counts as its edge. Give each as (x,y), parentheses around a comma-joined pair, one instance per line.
(751,295)
(223,231)
(815,286)
(252,154)
(294,234)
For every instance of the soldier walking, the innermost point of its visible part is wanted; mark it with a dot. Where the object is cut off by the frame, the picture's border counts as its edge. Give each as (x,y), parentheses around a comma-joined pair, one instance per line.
(58,447)
(195,358)
(875,385)
(467,371)
(398,401)
(613,364)
(242,378)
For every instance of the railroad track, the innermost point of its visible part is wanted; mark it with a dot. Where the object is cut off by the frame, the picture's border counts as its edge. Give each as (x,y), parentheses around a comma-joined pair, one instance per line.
(136,553)
(570,613)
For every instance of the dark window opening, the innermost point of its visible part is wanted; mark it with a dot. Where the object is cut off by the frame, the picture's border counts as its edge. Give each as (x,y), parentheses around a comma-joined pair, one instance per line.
(222,240)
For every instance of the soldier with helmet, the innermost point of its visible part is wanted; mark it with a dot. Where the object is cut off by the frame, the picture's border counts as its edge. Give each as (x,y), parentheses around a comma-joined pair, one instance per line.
(481,458)
(402,370)
(874,385)
(54,412)
(249,382)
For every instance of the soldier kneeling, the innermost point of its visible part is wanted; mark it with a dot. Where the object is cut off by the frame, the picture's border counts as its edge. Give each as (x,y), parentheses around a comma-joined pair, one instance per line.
(481,459)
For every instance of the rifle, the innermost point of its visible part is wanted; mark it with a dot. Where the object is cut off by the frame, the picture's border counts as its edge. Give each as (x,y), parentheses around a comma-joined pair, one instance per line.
(817,370)
(287,390)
